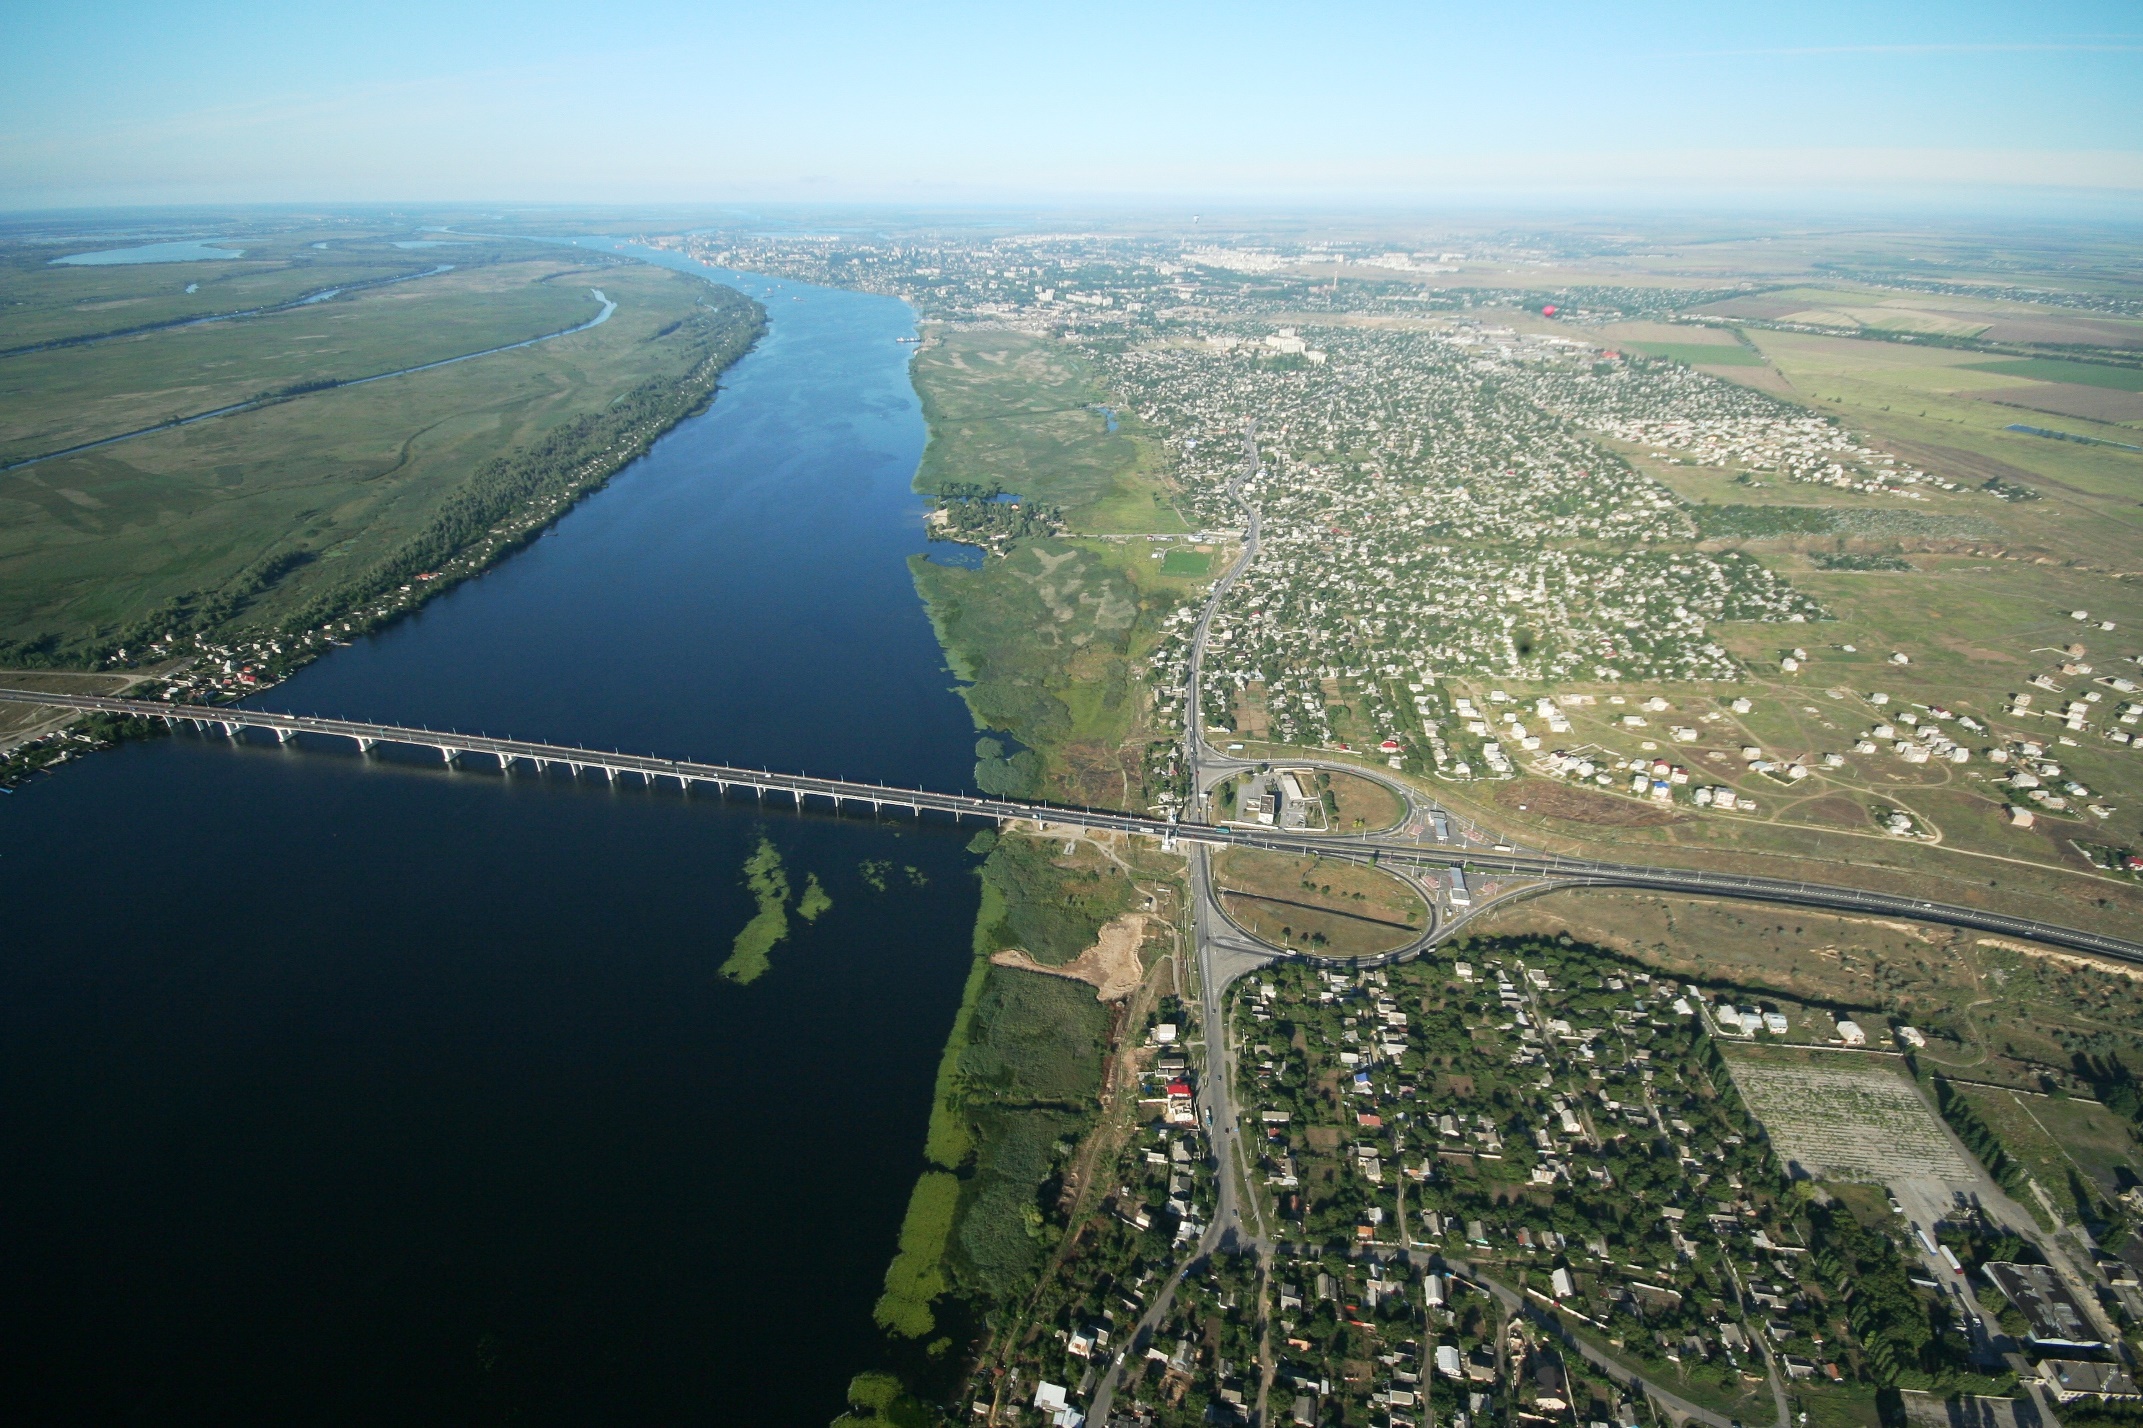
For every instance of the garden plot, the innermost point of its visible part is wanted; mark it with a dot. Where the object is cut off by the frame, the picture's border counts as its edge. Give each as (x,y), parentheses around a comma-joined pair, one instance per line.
(1850,1123)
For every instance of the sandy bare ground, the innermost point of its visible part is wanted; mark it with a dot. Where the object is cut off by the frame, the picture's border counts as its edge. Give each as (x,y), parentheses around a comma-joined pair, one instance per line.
(2067,959)
(1111,966)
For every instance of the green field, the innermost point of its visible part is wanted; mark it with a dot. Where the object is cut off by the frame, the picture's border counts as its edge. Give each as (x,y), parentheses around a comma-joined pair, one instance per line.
(66,396)
(1186,562)
(1016,411)
(1047,636)
(1700,354)
(278,513)
(2079,1153)
(43,302)
(1926,399)
(2082,374)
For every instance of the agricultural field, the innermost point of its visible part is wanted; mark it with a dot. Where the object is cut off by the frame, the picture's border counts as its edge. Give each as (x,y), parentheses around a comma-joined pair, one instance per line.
(1700,354)
(1952,409)
(260,517)
(1848,1119)
(1955,315)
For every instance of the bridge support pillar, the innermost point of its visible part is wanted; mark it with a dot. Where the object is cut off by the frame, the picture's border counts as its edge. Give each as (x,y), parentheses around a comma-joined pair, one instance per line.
(364,745)
(505,762)
(284,736)
(230,730)
(448,754)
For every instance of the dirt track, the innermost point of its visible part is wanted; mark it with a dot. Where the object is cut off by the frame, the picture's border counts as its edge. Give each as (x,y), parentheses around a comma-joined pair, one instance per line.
(1111,966)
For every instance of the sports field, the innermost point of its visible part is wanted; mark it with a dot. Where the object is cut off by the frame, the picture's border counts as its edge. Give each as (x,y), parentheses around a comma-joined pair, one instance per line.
(1186,562)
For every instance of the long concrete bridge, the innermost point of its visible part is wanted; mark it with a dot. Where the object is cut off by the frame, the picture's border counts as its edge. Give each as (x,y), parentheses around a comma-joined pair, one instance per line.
(1414,854)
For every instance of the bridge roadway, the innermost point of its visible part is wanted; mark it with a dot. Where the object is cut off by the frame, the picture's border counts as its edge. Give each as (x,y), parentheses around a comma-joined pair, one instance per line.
(1406,854)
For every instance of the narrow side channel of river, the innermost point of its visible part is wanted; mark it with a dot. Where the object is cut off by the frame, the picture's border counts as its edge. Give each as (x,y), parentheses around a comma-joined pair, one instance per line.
(347,1090)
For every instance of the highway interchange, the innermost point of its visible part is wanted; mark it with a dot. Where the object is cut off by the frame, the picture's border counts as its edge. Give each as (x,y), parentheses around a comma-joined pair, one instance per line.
(1224,950)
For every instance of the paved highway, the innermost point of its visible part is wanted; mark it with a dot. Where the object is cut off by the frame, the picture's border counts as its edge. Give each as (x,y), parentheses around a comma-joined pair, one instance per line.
(1223,949)
(1407,854)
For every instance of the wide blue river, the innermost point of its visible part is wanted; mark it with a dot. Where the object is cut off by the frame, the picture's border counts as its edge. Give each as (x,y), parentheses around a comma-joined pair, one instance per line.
(347,1090)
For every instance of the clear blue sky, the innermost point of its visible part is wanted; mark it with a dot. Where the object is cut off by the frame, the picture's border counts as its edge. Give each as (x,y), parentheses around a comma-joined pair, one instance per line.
(646,101)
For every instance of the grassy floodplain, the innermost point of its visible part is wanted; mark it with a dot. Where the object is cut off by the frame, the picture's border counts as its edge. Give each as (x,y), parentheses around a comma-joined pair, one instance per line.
(1018,1087)
(1025,413)
(66,396)
(302,508)
(1047,638)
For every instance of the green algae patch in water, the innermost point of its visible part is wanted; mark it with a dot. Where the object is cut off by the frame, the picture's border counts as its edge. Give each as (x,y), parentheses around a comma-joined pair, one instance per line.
(814,901)
(917,1275)
(769,882)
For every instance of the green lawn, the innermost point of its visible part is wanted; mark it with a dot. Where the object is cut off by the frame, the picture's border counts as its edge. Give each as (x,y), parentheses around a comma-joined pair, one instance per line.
(1186,562)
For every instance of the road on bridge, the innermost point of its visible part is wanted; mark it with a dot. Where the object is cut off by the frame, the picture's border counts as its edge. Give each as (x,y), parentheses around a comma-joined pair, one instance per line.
(1224,951)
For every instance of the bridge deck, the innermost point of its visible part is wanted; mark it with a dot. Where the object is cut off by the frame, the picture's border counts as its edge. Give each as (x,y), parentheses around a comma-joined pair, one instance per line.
(1573,872)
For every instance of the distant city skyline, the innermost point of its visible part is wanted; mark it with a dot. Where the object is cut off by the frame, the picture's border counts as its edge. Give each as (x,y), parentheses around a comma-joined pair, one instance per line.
(656,102)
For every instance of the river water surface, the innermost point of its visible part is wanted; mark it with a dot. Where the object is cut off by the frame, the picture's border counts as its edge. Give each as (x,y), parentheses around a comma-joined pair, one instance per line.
(356,1090)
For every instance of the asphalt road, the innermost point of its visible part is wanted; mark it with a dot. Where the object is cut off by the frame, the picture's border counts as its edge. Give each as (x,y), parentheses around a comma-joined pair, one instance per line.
(1224,950)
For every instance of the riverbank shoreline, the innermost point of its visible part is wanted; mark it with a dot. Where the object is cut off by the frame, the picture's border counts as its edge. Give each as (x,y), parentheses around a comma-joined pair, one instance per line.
(397,588)
(497,996)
